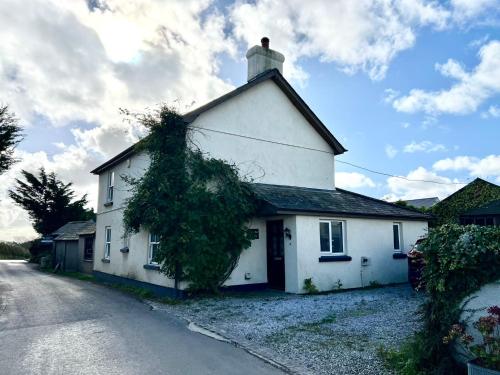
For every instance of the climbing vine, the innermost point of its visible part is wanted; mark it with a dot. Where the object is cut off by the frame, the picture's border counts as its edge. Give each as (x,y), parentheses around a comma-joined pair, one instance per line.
(458,261)
(476,194)
(197,205)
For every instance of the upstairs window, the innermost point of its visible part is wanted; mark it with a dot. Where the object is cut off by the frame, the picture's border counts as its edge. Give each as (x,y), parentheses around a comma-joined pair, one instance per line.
(154,243)
(331,235)
(111,184)
(107,242)
(396,234)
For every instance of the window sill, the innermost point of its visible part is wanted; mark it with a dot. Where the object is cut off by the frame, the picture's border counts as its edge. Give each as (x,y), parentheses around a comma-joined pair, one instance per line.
(154,267)
(335,258)
(88,260)
(399,256)
(108,204)
(105,260)
(124,250)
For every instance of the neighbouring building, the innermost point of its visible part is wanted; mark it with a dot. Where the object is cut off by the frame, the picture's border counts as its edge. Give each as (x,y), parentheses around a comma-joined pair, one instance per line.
(305,228)
(488,214)
(422,202)
(73,246)
(473,195)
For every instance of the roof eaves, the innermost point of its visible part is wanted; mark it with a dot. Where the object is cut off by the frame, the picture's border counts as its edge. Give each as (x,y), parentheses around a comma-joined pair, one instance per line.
(281,82)
(387,203)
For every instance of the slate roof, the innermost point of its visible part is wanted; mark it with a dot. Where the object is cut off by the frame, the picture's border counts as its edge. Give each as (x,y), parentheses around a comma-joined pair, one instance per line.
(72,229)
(276,199)
(422,202)
(491,208)
(281,82)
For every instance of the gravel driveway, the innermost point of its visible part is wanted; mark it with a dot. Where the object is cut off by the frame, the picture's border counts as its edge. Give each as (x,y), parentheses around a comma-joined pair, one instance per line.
(337,333)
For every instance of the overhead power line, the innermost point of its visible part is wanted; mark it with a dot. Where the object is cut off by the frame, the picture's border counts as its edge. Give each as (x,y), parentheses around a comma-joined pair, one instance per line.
(329,152)
(401,177)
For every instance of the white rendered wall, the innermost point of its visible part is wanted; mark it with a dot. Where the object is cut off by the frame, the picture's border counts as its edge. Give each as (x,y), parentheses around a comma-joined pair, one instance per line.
(264,112)
(131,265)
(372,238)
(476,307)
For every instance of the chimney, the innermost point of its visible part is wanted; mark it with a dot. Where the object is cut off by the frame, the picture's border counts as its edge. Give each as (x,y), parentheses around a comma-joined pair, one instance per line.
(262,58)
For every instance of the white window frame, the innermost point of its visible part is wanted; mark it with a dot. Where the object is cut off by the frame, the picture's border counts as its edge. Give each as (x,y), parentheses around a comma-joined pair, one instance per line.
(110,187)
(400,236)
(107,242)
(151,244)
(344,247)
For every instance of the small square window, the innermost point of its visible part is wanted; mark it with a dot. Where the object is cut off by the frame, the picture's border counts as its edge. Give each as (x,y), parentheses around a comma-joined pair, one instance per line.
(332,237)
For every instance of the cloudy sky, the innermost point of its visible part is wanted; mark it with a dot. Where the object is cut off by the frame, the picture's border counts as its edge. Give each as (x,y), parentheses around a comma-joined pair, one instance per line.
(410,87)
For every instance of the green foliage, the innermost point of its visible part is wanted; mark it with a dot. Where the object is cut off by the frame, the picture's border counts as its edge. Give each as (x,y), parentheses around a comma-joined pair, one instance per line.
(38,249)
(10,136)
(309,286)
(12,250)
(475,194)
(424,210)
(374,284)
(403,361)
(459,260)
(48,201)
(197,205)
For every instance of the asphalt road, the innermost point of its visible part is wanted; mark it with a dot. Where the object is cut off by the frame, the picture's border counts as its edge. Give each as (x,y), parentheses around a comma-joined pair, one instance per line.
(57,325)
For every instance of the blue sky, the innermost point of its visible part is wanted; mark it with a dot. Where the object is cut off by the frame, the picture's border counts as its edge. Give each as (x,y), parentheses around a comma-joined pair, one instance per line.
(411,88)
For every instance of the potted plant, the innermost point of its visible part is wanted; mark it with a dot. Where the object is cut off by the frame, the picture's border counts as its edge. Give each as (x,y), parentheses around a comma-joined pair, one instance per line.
(486,350)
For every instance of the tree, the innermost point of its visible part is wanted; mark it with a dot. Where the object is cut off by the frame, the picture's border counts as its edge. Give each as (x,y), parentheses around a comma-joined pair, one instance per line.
(10,136)
(197,205)
(48,201)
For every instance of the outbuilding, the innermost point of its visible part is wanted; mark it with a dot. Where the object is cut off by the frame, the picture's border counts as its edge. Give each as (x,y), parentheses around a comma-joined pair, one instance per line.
(73,246)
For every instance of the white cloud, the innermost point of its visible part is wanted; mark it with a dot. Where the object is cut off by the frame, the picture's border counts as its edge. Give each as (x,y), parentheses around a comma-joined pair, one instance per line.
(424,146)
(465,96)
(352,180)
(63,63)
(486,167)
(391,151)
(404,189)
(405,125)
(467,9)
(355,35)
(493,111)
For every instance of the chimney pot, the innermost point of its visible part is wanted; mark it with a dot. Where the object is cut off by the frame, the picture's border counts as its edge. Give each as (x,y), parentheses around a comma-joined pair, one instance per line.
(262,58)
(265,42)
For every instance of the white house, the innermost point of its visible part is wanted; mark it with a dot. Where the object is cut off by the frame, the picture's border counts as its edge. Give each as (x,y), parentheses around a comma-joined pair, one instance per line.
(306,228)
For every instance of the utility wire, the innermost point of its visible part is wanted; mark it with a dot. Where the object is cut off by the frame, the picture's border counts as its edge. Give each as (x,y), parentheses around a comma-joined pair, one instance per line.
(325,152)
(329,152)
(401,177)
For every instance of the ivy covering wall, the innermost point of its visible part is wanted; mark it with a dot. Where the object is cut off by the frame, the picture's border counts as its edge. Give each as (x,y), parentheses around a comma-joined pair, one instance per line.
(198,205)
(475,194)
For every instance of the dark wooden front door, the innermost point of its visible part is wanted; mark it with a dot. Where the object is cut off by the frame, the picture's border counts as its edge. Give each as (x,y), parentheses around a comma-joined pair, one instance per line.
(275,255)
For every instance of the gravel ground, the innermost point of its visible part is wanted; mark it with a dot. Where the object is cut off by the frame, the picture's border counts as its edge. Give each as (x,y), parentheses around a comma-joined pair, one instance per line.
(337,333)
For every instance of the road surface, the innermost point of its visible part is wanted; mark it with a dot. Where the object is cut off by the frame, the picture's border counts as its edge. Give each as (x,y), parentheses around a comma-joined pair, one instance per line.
(57,325)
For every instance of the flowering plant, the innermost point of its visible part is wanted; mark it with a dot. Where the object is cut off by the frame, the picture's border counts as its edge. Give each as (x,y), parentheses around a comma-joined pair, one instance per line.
(487,352)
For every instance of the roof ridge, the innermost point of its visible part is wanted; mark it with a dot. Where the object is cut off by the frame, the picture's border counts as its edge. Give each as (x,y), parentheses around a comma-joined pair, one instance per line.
(282,84)
(384,202)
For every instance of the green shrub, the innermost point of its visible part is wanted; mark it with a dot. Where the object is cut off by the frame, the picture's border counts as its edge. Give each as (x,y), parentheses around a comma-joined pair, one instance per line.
(12,250)
(309,286)
(458,261)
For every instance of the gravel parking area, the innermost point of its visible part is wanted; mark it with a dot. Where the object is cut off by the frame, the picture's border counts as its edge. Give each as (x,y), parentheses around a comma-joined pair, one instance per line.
(337,333)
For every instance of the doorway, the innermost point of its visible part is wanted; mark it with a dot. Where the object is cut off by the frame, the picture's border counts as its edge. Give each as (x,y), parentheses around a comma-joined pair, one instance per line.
(275,255)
